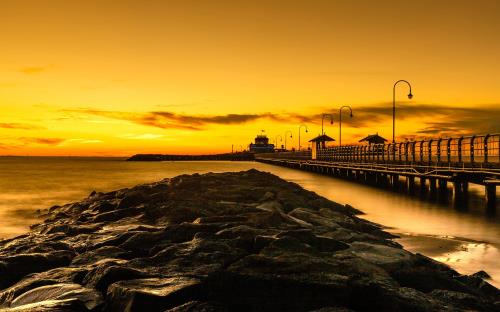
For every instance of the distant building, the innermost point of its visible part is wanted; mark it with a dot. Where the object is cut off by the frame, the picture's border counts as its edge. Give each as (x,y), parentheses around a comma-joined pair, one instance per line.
(373,139)
(261,145)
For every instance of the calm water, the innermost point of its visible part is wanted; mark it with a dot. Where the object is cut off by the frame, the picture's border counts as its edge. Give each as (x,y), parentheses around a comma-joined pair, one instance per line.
(468,240)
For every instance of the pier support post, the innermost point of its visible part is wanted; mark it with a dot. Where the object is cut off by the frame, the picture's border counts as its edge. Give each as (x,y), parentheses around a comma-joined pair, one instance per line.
(443,190)
(423,185)
(491,195)
(465,188)
(432,186)
(443,186)
(410,184)
(395,181)
(458,189)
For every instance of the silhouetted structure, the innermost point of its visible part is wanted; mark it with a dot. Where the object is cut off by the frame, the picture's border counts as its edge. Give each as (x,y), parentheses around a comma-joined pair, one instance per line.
(320,141)
(261,145)
(435,162)
(373,139)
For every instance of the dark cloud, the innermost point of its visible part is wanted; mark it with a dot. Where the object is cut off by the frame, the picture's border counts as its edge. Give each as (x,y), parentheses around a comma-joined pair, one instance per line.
(169,120)
(19,126)
(438,120)
(43,141)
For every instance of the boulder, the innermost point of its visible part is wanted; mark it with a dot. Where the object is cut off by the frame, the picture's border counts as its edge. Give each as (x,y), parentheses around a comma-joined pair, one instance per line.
(90,298)
(13,268)
(155,294)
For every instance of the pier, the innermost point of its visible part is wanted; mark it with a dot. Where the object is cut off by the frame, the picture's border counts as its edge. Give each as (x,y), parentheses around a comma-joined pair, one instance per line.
(435,163)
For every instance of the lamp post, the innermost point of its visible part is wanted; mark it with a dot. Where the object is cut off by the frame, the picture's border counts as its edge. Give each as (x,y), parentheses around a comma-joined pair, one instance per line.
(276,140)
(299,133)
(285,136)
(340,121)
(410,95)
(323,118)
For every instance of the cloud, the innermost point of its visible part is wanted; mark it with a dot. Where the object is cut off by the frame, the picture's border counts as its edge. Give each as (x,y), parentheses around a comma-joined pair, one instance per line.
(84,141)
(143,136)
(43,141)
(439,120)
(429,119)
(19,126)
(169,120)
(33,70)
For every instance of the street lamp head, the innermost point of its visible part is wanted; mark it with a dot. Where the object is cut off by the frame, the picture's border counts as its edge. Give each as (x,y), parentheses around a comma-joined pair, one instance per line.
(410,96)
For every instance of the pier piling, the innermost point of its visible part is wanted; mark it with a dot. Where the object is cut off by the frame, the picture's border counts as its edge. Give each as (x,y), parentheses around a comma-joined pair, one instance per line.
(410,184)
(491,195)
(432,186)
(423,185)
(395,181)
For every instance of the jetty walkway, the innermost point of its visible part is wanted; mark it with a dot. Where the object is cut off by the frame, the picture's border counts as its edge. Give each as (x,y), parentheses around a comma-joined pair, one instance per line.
(434,162)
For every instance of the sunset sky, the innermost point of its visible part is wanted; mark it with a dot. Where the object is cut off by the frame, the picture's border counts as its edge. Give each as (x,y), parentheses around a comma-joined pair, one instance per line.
(125,77)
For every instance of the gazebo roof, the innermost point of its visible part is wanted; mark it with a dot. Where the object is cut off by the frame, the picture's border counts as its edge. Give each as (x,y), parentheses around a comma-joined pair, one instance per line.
(373,138)
(322,138)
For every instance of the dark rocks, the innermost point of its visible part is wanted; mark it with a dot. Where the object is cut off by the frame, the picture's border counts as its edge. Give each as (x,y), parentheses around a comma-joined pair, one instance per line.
(15,267)
(132,199)
(481,274)
(87,297)
(246,241)
(155,294)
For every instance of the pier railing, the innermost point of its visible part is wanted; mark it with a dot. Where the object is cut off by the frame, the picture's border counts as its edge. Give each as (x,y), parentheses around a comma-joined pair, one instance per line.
(466,151)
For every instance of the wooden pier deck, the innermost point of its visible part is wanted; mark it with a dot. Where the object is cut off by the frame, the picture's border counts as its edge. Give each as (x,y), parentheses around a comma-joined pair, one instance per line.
(435,163)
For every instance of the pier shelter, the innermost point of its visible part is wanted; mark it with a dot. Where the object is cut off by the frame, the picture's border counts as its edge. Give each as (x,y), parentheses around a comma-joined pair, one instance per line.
(319,143)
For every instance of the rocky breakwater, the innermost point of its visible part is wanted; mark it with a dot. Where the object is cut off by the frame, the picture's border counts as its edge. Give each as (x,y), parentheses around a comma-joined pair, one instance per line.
(246,241)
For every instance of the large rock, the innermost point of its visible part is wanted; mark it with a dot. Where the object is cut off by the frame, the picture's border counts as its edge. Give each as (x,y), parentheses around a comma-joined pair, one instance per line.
(152,294)
(90,298)
(246,241)
(13,268)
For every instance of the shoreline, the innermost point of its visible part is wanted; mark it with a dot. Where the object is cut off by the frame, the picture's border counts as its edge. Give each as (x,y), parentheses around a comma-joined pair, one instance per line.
(226,241)
(462,254)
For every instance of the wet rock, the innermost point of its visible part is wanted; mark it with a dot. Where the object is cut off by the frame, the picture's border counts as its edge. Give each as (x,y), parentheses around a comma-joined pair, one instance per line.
(481,274)
(31,281)
(245,241)
(13,268)
(199,306)
(267,196)
(463,300)
(108,273)
(152,294)
(67,305)
(132,199)
(321,243)
(117,214)
(102,206)
(100,253)
(87,297)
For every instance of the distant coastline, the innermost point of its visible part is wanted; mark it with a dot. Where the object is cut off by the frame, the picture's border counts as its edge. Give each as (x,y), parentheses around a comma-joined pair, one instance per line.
(243,156)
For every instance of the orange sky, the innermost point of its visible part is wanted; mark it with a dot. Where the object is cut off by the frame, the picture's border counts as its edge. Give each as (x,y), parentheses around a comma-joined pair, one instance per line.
(124,77)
